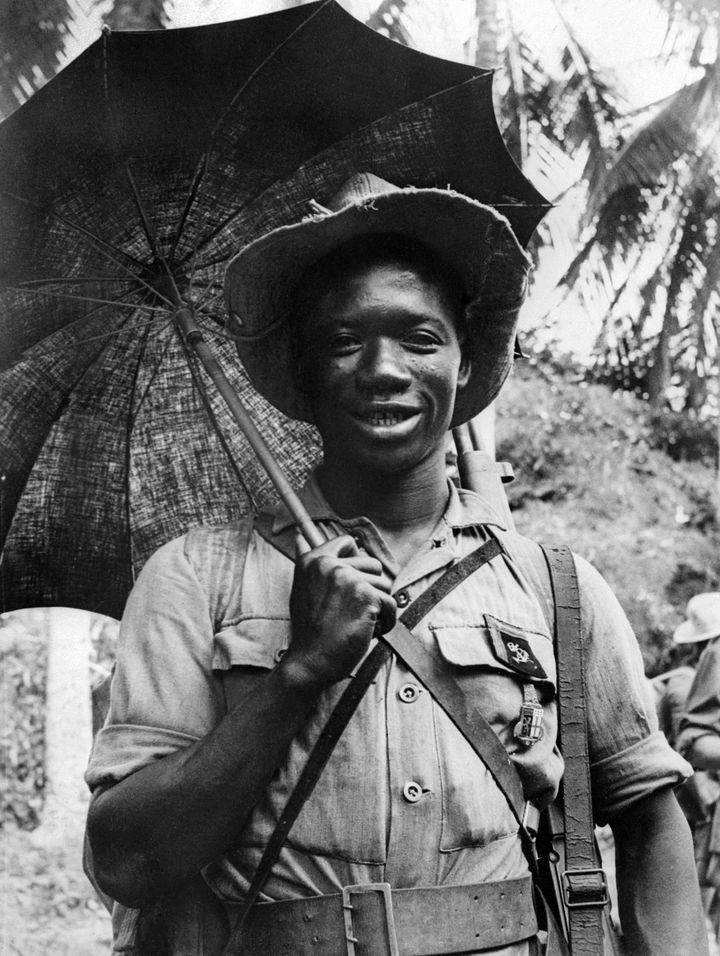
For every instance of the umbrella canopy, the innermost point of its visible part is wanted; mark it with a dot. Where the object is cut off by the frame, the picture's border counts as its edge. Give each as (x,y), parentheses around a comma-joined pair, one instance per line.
(125,186)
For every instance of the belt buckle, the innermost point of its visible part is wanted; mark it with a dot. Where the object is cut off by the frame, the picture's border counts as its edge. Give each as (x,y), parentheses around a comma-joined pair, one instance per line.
(355,890)
(592,896)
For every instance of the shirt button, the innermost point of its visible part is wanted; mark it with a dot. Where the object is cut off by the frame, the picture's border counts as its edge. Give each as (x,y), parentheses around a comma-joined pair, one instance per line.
(412,791)
(279,653)
(402,599)
(409,693)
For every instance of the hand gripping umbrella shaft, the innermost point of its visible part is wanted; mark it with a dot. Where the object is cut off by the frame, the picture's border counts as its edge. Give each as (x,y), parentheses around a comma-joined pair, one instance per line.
(185,321)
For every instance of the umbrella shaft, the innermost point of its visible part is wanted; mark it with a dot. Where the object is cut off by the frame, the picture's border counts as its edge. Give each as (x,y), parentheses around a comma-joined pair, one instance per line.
(193,336)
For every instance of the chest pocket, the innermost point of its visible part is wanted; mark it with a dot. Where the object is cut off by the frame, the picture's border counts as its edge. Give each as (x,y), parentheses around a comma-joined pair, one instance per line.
(491,662)
(355,776)
(245,651)
(498,646)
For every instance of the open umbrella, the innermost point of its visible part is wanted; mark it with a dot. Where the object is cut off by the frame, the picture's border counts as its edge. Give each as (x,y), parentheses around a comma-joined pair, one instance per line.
(125,186)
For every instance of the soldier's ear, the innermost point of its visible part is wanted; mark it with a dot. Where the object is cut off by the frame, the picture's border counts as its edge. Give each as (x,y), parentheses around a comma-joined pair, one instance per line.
(465,367)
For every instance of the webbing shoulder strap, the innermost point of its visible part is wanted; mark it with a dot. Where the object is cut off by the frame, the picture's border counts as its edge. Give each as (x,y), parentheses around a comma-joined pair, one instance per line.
(345,708)
(584,884)
(445,691)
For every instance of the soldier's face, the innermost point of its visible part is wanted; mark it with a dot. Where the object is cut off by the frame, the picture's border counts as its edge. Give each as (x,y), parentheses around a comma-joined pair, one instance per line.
(382,350)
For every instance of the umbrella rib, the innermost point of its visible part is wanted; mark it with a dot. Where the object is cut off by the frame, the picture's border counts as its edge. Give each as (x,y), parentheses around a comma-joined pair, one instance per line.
(69,280)
(209,238)
(111,251)
(82,319)
(202,299)
(203,164)
(126,326)
(202,390)
(138,405)
(189,202)
(268,58)
(87,298)
(113,254)
(144,219)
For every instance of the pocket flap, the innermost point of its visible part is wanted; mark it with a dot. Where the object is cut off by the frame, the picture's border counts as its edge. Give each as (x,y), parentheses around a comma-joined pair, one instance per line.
(498,646)
(254,642)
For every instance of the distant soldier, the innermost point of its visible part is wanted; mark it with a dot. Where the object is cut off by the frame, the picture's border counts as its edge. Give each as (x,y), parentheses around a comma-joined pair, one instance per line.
(698,739)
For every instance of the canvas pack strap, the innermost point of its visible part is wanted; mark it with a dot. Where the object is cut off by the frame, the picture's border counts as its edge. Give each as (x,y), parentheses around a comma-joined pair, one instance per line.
(583,881)
(344,710)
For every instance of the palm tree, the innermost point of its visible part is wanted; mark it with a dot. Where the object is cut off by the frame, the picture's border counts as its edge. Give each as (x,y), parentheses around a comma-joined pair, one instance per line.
(38,37)
(648,180)
(34,35)
(654,219)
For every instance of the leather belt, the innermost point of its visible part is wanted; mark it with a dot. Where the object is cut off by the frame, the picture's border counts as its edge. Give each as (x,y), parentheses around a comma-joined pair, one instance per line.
(374,920)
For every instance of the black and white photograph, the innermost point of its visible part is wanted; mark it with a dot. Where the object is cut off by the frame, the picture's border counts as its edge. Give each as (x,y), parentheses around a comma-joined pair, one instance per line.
(359,478)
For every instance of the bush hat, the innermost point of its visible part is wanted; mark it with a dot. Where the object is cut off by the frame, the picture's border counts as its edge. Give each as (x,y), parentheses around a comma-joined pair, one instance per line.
(703,619)
(472,239)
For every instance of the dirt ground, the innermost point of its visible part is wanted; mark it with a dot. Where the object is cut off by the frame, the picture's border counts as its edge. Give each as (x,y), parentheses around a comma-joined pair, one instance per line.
(47,906)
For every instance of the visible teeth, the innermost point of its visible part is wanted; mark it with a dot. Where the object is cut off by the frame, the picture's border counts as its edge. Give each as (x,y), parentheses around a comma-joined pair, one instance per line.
(385,419)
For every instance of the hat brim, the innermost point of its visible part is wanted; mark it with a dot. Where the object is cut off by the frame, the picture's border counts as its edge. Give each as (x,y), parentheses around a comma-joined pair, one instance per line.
(685,633)
(471,237)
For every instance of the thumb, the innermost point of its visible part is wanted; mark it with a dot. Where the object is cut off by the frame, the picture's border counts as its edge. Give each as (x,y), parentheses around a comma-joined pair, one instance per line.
(301,545)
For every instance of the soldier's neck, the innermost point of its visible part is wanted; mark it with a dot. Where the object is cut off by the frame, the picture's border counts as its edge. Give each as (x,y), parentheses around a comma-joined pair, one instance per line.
(404,506)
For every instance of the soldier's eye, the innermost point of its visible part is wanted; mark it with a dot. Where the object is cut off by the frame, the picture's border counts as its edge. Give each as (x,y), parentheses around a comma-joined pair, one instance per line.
(422,341)
(343,343)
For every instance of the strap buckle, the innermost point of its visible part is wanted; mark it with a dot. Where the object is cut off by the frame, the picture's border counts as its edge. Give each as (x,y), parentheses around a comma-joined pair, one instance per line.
(383,889)
(585,893)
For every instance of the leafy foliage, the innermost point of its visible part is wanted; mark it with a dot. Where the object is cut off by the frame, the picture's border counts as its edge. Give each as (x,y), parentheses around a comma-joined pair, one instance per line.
(22,685)
(638,186)
(23,669)
(590,474)
(684,436)
(33,36)
(37,35)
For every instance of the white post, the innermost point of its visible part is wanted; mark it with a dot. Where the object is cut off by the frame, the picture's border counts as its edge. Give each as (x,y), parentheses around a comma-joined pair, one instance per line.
(68,731)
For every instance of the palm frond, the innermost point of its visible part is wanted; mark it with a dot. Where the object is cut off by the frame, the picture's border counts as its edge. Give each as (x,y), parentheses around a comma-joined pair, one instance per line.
(681,132)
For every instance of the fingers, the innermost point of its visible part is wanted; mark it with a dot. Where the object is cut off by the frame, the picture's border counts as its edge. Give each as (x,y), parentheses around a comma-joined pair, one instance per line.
(364,563)
(340,547)
(345,547)
(387,615)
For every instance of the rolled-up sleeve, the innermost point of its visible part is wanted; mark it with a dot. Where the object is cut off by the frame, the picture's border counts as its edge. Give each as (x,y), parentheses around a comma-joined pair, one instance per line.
(164,696)
(702,708)
(629,757)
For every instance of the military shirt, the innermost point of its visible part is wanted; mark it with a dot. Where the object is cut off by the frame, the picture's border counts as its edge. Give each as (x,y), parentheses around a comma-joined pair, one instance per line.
(404,798)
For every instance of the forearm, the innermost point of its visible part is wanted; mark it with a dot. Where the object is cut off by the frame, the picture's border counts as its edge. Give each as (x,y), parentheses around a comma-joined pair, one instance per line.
(160,825)
(658,892)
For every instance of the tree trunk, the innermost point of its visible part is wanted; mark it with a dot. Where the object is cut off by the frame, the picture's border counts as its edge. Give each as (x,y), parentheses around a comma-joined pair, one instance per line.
(487,17)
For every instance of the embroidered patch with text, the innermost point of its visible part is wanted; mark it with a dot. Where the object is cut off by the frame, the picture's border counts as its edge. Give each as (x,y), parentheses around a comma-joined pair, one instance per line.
(513,648)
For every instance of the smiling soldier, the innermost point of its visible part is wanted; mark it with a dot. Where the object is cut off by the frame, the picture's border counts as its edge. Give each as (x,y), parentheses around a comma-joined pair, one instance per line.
(385,319)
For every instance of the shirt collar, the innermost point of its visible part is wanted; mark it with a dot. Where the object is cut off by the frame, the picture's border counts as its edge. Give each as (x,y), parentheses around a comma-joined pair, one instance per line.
(464,509)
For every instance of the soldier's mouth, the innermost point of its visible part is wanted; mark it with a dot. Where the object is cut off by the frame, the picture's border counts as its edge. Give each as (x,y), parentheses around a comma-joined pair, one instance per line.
(385,416)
